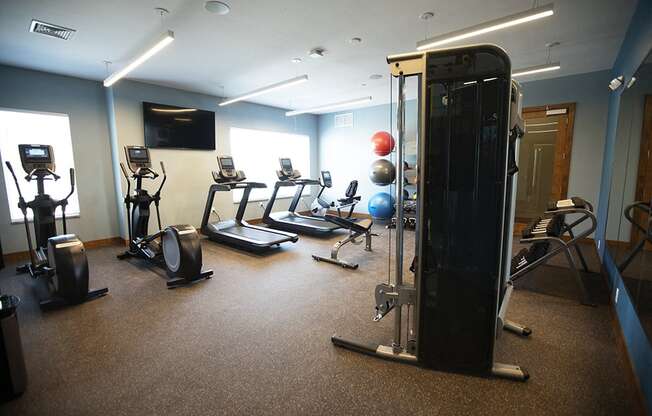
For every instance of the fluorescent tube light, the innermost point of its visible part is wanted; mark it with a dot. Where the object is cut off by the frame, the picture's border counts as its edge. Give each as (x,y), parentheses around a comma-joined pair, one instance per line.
(167,38)
(329,106)
(265,90)
(491,26)
(174,110)
(535,69)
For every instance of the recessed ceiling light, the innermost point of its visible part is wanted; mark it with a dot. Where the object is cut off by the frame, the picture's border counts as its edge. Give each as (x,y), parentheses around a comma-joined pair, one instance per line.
(217,7)
(317,53)
(297,60)
(375,76)
(426,15)
(355,41)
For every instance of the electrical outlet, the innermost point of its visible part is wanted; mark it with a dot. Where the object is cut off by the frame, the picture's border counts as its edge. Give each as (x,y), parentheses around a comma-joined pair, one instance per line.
(617,292)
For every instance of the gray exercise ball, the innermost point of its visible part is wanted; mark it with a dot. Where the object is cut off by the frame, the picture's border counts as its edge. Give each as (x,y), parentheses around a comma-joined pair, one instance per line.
(382,172)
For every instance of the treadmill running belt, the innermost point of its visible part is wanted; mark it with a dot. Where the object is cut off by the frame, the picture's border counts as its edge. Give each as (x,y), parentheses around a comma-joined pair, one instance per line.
(263,237)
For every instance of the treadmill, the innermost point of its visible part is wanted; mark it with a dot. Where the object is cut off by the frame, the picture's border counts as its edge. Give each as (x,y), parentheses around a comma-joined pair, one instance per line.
(290,220)
(237,232)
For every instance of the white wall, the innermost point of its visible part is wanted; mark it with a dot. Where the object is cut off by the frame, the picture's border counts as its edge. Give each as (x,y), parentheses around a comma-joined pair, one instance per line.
(189,171)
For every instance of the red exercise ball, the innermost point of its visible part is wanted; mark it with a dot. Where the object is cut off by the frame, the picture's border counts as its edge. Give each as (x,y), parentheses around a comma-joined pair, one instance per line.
(382,143)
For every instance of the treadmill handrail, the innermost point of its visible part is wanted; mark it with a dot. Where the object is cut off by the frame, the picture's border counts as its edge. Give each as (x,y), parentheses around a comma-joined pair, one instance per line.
(242,185)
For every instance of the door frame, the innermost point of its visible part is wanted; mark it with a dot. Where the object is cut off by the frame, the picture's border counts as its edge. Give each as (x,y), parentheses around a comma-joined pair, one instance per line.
(563,150)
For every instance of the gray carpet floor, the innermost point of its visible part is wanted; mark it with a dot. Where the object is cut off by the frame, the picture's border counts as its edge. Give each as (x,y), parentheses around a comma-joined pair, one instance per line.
(255,340)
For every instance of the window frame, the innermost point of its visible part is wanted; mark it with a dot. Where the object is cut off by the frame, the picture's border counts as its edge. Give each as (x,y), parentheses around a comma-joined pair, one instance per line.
(9,182)
(237,196)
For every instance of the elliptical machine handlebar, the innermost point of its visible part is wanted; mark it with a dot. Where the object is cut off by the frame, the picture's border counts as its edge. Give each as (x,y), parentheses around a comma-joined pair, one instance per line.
(165,177)
(23,207)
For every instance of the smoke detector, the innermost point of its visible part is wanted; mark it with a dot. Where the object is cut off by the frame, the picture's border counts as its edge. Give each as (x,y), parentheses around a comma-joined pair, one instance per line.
(296,60)
(48,29)
(317,53)
(355,41)
(217,7)
(375,76)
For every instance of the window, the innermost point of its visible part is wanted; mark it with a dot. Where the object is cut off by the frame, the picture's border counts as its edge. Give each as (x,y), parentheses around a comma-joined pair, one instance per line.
(256,152)
(25,127)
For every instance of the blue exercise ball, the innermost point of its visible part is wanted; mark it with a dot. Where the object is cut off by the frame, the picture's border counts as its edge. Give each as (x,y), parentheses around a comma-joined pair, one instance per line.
(381,205)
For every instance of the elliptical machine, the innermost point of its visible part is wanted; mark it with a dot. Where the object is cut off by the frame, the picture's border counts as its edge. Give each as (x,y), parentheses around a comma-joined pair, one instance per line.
(320,206)
(176,248)
(59,261)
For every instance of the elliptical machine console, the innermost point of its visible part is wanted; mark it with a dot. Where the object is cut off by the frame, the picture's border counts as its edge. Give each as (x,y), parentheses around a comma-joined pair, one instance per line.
(59,261)
(175,248)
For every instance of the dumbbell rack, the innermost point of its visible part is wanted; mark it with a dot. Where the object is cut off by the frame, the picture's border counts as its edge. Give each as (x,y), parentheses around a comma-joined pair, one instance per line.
(546,236)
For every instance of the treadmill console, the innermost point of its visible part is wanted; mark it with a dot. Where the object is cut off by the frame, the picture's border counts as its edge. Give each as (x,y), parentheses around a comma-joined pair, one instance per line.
(36,157)
(287,172)
(326,179)
(137,157)
(227,168)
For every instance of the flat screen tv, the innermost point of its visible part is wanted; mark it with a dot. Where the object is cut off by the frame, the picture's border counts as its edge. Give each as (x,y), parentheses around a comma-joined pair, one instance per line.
(167,126)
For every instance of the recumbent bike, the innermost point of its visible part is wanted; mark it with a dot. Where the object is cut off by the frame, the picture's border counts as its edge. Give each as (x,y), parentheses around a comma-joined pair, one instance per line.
(176,248)
(58,261)
(320,206)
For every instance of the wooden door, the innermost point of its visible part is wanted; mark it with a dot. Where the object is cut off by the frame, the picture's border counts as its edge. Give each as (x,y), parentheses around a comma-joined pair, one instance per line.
(544,159)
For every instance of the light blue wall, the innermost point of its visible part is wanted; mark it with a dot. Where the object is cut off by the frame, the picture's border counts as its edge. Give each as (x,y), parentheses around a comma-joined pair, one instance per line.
(189,171)
(635,47)
(83,101)
(590,94)
(347,152)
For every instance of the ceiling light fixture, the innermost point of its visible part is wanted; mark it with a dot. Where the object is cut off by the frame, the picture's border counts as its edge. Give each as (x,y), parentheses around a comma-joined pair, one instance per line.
(536,69)
(167,38)
(265,90)
(491,26)
(355,41)
(174,110)
(317,53)
(217,7)
(297,60)
(332,106)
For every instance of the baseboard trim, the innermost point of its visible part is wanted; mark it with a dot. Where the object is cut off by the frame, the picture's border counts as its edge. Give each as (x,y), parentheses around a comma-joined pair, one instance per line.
(640,406)
(19,256)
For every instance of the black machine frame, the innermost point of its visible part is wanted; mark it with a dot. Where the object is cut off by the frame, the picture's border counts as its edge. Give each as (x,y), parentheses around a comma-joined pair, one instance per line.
(176,248)
(238,232)
(58,260)
(291,220)
(466,135)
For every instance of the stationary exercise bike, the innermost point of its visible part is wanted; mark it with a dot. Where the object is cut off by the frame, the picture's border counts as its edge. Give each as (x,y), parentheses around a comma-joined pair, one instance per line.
(59,261)
(176,248)
(320,206)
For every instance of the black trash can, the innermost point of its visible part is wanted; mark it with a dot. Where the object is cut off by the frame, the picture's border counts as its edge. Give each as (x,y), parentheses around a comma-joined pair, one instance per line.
(13,375)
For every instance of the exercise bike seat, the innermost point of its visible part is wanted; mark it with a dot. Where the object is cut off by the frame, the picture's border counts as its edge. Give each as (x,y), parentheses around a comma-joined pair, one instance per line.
(361,226)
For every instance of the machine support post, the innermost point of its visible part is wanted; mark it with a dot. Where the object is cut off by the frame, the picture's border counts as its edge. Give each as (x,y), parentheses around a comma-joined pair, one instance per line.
(400,124)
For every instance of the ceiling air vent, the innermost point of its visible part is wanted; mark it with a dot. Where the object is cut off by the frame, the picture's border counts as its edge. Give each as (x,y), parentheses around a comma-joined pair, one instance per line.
(48,29)
(344,120)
